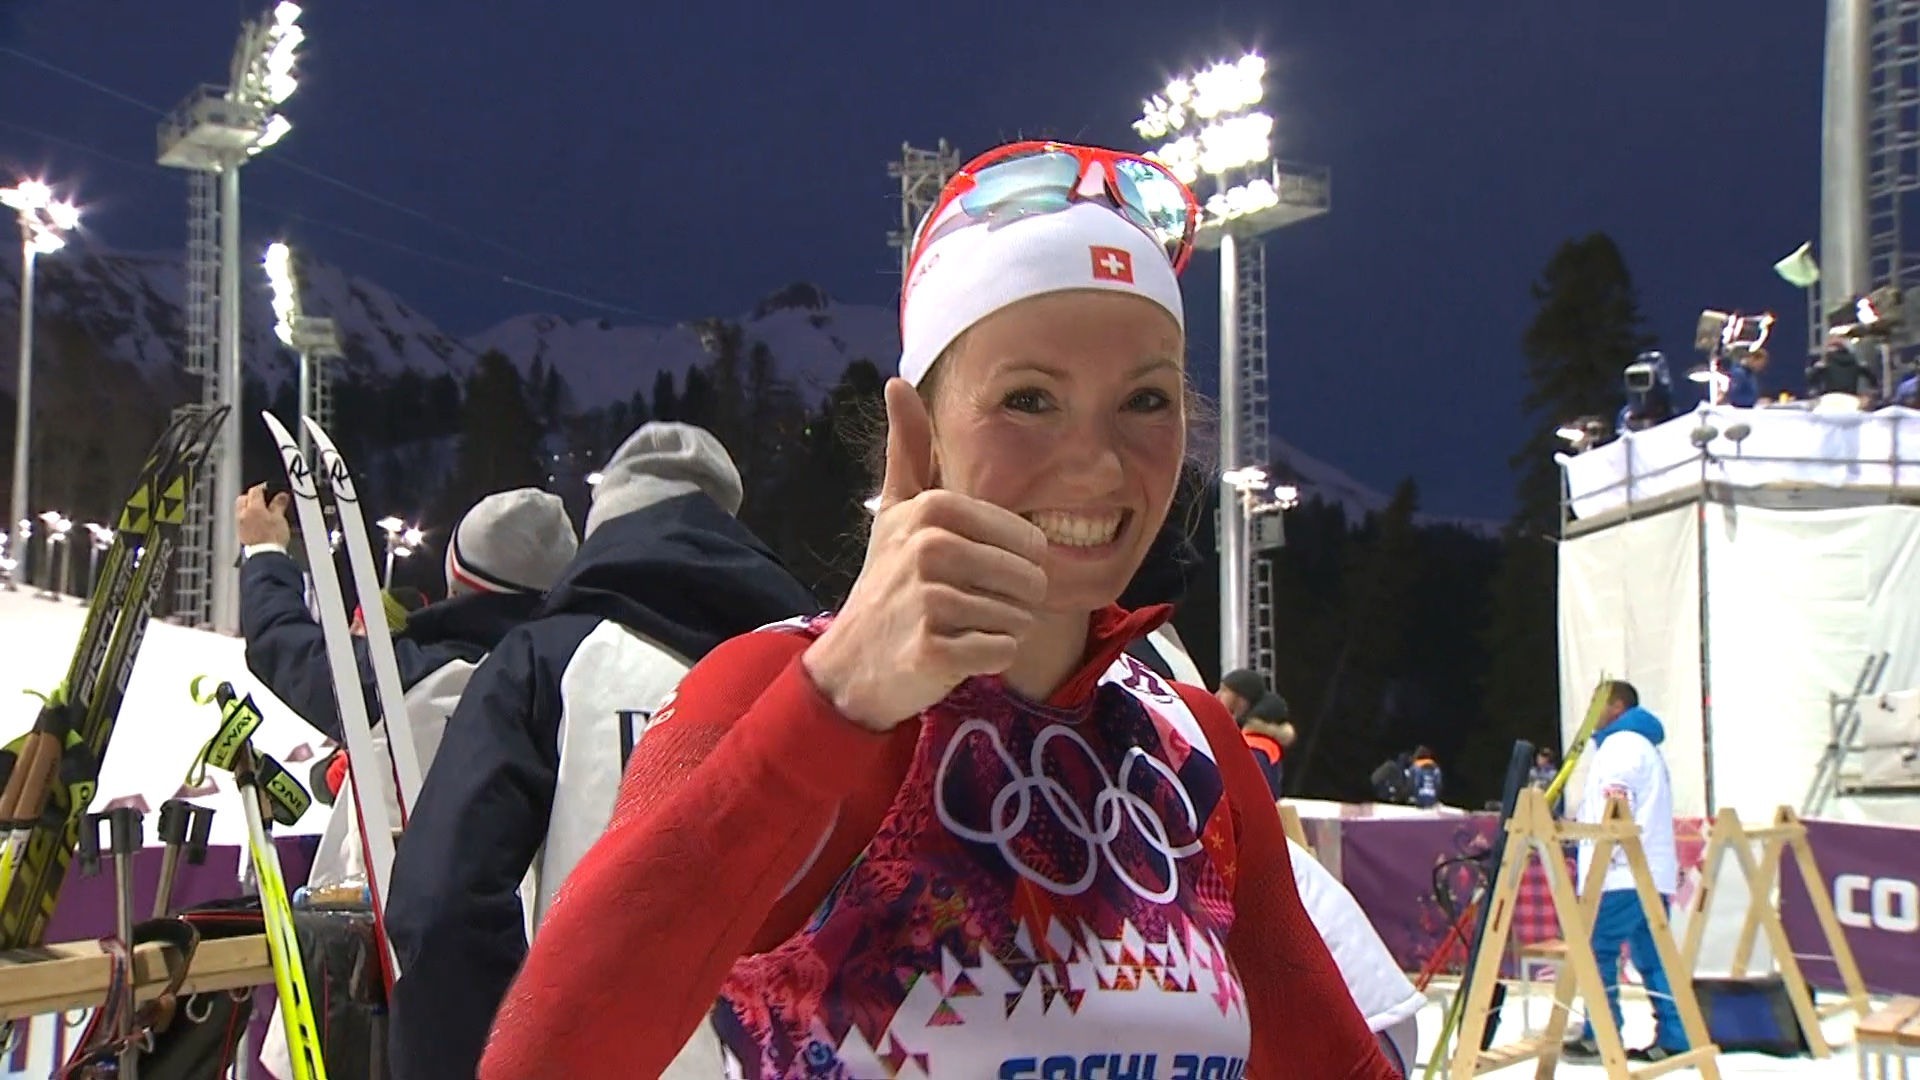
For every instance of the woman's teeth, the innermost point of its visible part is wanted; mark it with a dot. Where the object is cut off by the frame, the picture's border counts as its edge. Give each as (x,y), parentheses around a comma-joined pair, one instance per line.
(1077,530)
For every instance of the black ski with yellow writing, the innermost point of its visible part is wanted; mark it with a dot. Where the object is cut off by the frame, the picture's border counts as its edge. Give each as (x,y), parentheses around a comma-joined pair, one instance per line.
(51,772)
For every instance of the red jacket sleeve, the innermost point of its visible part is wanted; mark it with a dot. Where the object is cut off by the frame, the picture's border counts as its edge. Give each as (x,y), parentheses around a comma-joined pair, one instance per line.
(1304,1020)
(730,815)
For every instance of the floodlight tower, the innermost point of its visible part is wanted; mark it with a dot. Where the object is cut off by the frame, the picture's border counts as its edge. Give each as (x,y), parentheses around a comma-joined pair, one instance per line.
(922,173)
(213,133)
(44,223)
(313,339)
(1222,145)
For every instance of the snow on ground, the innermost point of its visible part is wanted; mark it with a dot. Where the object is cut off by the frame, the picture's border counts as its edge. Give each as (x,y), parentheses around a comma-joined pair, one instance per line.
(1639,1032)
(161,730)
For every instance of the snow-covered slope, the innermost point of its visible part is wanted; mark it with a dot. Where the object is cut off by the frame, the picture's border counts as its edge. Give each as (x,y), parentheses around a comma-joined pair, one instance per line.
(161,730)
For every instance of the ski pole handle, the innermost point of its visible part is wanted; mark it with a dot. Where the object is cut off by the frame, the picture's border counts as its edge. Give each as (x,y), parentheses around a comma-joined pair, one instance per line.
(124,831)
(88,850)
(175,815)
(199,833)
(26,792)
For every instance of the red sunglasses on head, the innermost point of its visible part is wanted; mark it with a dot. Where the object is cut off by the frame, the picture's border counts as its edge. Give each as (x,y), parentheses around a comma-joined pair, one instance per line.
(1026,178)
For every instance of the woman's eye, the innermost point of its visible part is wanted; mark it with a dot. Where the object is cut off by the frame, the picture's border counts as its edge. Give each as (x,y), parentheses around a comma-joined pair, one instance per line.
(1027,401)
(1148,401)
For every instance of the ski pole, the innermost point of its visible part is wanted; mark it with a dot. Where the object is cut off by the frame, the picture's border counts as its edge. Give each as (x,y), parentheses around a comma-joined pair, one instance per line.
(124,839)
(182,825)
(124,824)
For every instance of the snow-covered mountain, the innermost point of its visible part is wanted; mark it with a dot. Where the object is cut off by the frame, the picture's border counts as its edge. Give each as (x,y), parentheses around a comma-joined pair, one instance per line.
(811,336)
(131,308)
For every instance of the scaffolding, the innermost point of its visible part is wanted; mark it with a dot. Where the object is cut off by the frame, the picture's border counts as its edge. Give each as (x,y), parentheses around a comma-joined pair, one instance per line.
(193,579)
(922,173)
(1255,449)
(1893,141)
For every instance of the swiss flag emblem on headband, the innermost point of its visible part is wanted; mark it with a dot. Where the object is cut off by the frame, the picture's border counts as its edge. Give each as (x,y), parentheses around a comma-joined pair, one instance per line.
(1112,264)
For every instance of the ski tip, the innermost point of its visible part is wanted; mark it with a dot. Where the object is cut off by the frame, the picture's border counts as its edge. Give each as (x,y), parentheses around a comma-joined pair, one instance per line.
(320,436)
(279,430)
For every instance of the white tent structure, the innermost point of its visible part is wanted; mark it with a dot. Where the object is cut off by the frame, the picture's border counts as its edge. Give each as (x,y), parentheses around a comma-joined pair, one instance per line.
(1745,568)
(161,730)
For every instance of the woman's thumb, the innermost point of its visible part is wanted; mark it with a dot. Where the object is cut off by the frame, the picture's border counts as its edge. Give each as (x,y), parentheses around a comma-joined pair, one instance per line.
(909,468)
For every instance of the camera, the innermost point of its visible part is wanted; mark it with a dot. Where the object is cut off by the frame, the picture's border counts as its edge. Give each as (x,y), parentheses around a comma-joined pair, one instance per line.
(1640,377)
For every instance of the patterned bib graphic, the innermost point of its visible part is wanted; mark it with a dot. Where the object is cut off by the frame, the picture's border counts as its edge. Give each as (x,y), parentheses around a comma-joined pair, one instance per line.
(1048,896)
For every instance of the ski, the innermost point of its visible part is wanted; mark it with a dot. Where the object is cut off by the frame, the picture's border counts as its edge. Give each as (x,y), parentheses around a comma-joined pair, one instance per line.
(263,781)
(368,770)
(407,773)
(53,771)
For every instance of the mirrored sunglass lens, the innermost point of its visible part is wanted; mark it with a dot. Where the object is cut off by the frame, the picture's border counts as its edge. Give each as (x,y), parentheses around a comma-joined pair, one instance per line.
(1037,182)
(1153,200)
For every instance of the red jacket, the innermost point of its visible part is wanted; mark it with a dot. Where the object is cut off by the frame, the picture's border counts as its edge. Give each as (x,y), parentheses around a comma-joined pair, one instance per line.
(755,859)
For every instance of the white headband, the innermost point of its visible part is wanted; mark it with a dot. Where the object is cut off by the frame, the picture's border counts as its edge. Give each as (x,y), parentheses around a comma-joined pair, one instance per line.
(974,271)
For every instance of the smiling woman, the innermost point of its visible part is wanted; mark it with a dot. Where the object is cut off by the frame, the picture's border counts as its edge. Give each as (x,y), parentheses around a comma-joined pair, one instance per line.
(902,831)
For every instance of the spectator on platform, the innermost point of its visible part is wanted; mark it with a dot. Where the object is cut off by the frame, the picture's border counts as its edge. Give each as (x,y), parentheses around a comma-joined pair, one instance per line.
(1425,779)
(1626,763)
(1649,382)
(1839,371)
(1393,780)
(1268,733)
(1743,380)
(1240,690)
(1906,392)
(1545,768)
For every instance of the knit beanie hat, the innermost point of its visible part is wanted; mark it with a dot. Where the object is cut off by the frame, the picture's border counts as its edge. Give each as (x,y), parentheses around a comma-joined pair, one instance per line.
(511,541)
(663,461)
(974,271)
(1250,685)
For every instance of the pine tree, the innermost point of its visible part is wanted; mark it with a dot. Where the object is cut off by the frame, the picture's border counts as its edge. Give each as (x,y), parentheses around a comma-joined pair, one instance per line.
(699,404)
(501,441)
(1587,330)
(1352,727)
(666,402)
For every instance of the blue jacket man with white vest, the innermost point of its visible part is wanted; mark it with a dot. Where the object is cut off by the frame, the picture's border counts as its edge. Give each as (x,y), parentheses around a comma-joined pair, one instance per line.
(531,763)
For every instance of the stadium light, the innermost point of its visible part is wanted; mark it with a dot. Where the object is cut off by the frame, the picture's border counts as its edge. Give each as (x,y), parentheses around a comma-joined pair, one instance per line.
(100,539)
(402,541)
(58,526)
(1210,130)
(44,223)
(313,340)
(214,132)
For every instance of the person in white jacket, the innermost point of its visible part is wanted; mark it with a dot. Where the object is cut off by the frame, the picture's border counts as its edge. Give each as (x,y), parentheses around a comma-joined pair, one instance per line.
(1625,763)
(1380,989)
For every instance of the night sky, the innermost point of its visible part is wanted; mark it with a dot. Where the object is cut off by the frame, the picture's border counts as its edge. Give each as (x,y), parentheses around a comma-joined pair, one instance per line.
(663,162)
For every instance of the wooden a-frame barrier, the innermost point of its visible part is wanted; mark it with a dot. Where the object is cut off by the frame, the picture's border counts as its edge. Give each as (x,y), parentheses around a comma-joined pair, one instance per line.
(1787,833)
(1533,831)
(1290,824)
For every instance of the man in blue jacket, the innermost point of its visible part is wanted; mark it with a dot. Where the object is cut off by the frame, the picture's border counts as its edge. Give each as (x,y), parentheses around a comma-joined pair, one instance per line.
(1626,763)
(531,763)
(520,542)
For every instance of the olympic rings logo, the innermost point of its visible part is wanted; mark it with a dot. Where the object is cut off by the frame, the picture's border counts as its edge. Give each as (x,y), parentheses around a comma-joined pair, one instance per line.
(1114,808)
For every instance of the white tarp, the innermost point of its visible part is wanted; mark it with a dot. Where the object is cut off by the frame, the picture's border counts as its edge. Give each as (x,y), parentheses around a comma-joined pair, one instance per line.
(1797,601)
(1630,608)
(1786,446)
(160,729)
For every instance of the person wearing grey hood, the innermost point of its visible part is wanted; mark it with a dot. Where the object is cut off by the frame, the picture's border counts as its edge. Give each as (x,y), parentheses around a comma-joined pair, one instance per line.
(531,761)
